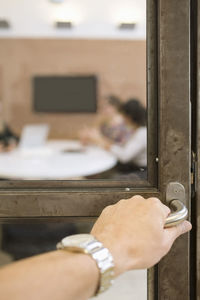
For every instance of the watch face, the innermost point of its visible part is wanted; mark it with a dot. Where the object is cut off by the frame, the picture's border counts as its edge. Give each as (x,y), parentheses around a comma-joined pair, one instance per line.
(77,240)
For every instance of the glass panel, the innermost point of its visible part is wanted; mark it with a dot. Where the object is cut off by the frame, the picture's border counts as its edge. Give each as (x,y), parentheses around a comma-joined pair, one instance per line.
(73,89)
(20,241)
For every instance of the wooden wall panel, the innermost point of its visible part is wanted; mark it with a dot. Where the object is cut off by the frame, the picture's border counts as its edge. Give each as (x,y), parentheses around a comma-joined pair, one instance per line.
(120,67)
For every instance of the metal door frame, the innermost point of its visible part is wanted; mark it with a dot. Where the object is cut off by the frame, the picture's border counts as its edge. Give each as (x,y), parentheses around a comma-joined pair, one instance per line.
(175,139)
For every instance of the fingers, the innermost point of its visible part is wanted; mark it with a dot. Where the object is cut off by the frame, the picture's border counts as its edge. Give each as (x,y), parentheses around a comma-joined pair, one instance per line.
(154,203)
(166,210)
(176,231)
(159,208)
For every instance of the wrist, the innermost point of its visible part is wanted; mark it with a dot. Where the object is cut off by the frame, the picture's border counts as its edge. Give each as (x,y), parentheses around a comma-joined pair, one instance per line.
(82,267)
(92,270)
(123,262)
(115,252)
(88,244)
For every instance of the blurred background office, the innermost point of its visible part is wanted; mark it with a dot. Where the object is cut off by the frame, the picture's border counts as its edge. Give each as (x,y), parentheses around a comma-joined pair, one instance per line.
(67,66)
(61,60)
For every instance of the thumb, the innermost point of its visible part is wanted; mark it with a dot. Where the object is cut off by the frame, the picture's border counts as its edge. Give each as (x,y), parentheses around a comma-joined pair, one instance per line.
(174,232)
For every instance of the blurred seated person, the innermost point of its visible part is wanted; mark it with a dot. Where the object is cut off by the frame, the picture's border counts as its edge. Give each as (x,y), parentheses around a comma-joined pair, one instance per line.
(132,154)
(110,124)
(8,139)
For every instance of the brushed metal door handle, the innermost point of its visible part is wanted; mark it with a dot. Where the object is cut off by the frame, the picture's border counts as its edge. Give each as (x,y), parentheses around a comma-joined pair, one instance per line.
(179,215)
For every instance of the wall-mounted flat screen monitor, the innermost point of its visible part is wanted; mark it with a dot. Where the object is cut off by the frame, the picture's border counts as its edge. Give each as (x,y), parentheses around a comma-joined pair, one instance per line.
(65,94)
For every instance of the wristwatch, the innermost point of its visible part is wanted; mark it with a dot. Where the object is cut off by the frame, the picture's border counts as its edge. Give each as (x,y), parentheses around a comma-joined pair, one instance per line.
(88,244)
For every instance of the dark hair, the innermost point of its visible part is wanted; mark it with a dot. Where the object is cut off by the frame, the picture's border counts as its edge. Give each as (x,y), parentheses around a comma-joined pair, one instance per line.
(114,101)
(134,110)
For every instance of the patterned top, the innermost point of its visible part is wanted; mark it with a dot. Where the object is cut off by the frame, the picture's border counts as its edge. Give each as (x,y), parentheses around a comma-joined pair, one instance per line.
(117,133)
(134,150)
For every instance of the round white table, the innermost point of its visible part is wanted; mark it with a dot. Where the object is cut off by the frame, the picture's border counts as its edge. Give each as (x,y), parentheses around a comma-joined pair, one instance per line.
(56,160)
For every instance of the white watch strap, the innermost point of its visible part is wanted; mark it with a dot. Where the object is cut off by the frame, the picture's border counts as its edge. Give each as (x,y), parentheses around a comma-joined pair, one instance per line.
(104,262)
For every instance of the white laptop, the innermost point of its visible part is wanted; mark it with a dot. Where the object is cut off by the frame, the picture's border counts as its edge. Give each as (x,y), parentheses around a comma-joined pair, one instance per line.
(33,136)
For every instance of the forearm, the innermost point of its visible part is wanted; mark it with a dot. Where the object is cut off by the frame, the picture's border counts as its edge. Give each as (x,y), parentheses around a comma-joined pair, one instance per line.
(56,275)
(133,231)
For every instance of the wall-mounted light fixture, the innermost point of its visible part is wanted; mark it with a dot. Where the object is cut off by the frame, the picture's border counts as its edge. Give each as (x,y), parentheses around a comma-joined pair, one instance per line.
(127,25)
(67,15)
(63,24)
(57,1)
(4,24)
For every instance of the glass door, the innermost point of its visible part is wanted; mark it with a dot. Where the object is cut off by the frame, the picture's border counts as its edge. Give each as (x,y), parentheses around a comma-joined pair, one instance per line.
(169,153)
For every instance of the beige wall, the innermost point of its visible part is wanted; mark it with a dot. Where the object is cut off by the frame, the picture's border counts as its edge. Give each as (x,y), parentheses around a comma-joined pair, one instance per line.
(119,65)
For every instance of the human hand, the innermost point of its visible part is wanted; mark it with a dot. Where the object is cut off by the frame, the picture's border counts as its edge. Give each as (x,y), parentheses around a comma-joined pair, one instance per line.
(11,146)
(133,230)
(84,136)
(93,136)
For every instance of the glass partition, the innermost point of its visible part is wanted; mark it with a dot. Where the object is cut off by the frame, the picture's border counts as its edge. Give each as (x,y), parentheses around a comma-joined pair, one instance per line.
(72,107)
(73,90)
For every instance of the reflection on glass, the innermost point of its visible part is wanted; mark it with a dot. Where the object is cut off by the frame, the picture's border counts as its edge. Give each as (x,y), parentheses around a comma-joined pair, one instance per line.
(86,84)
